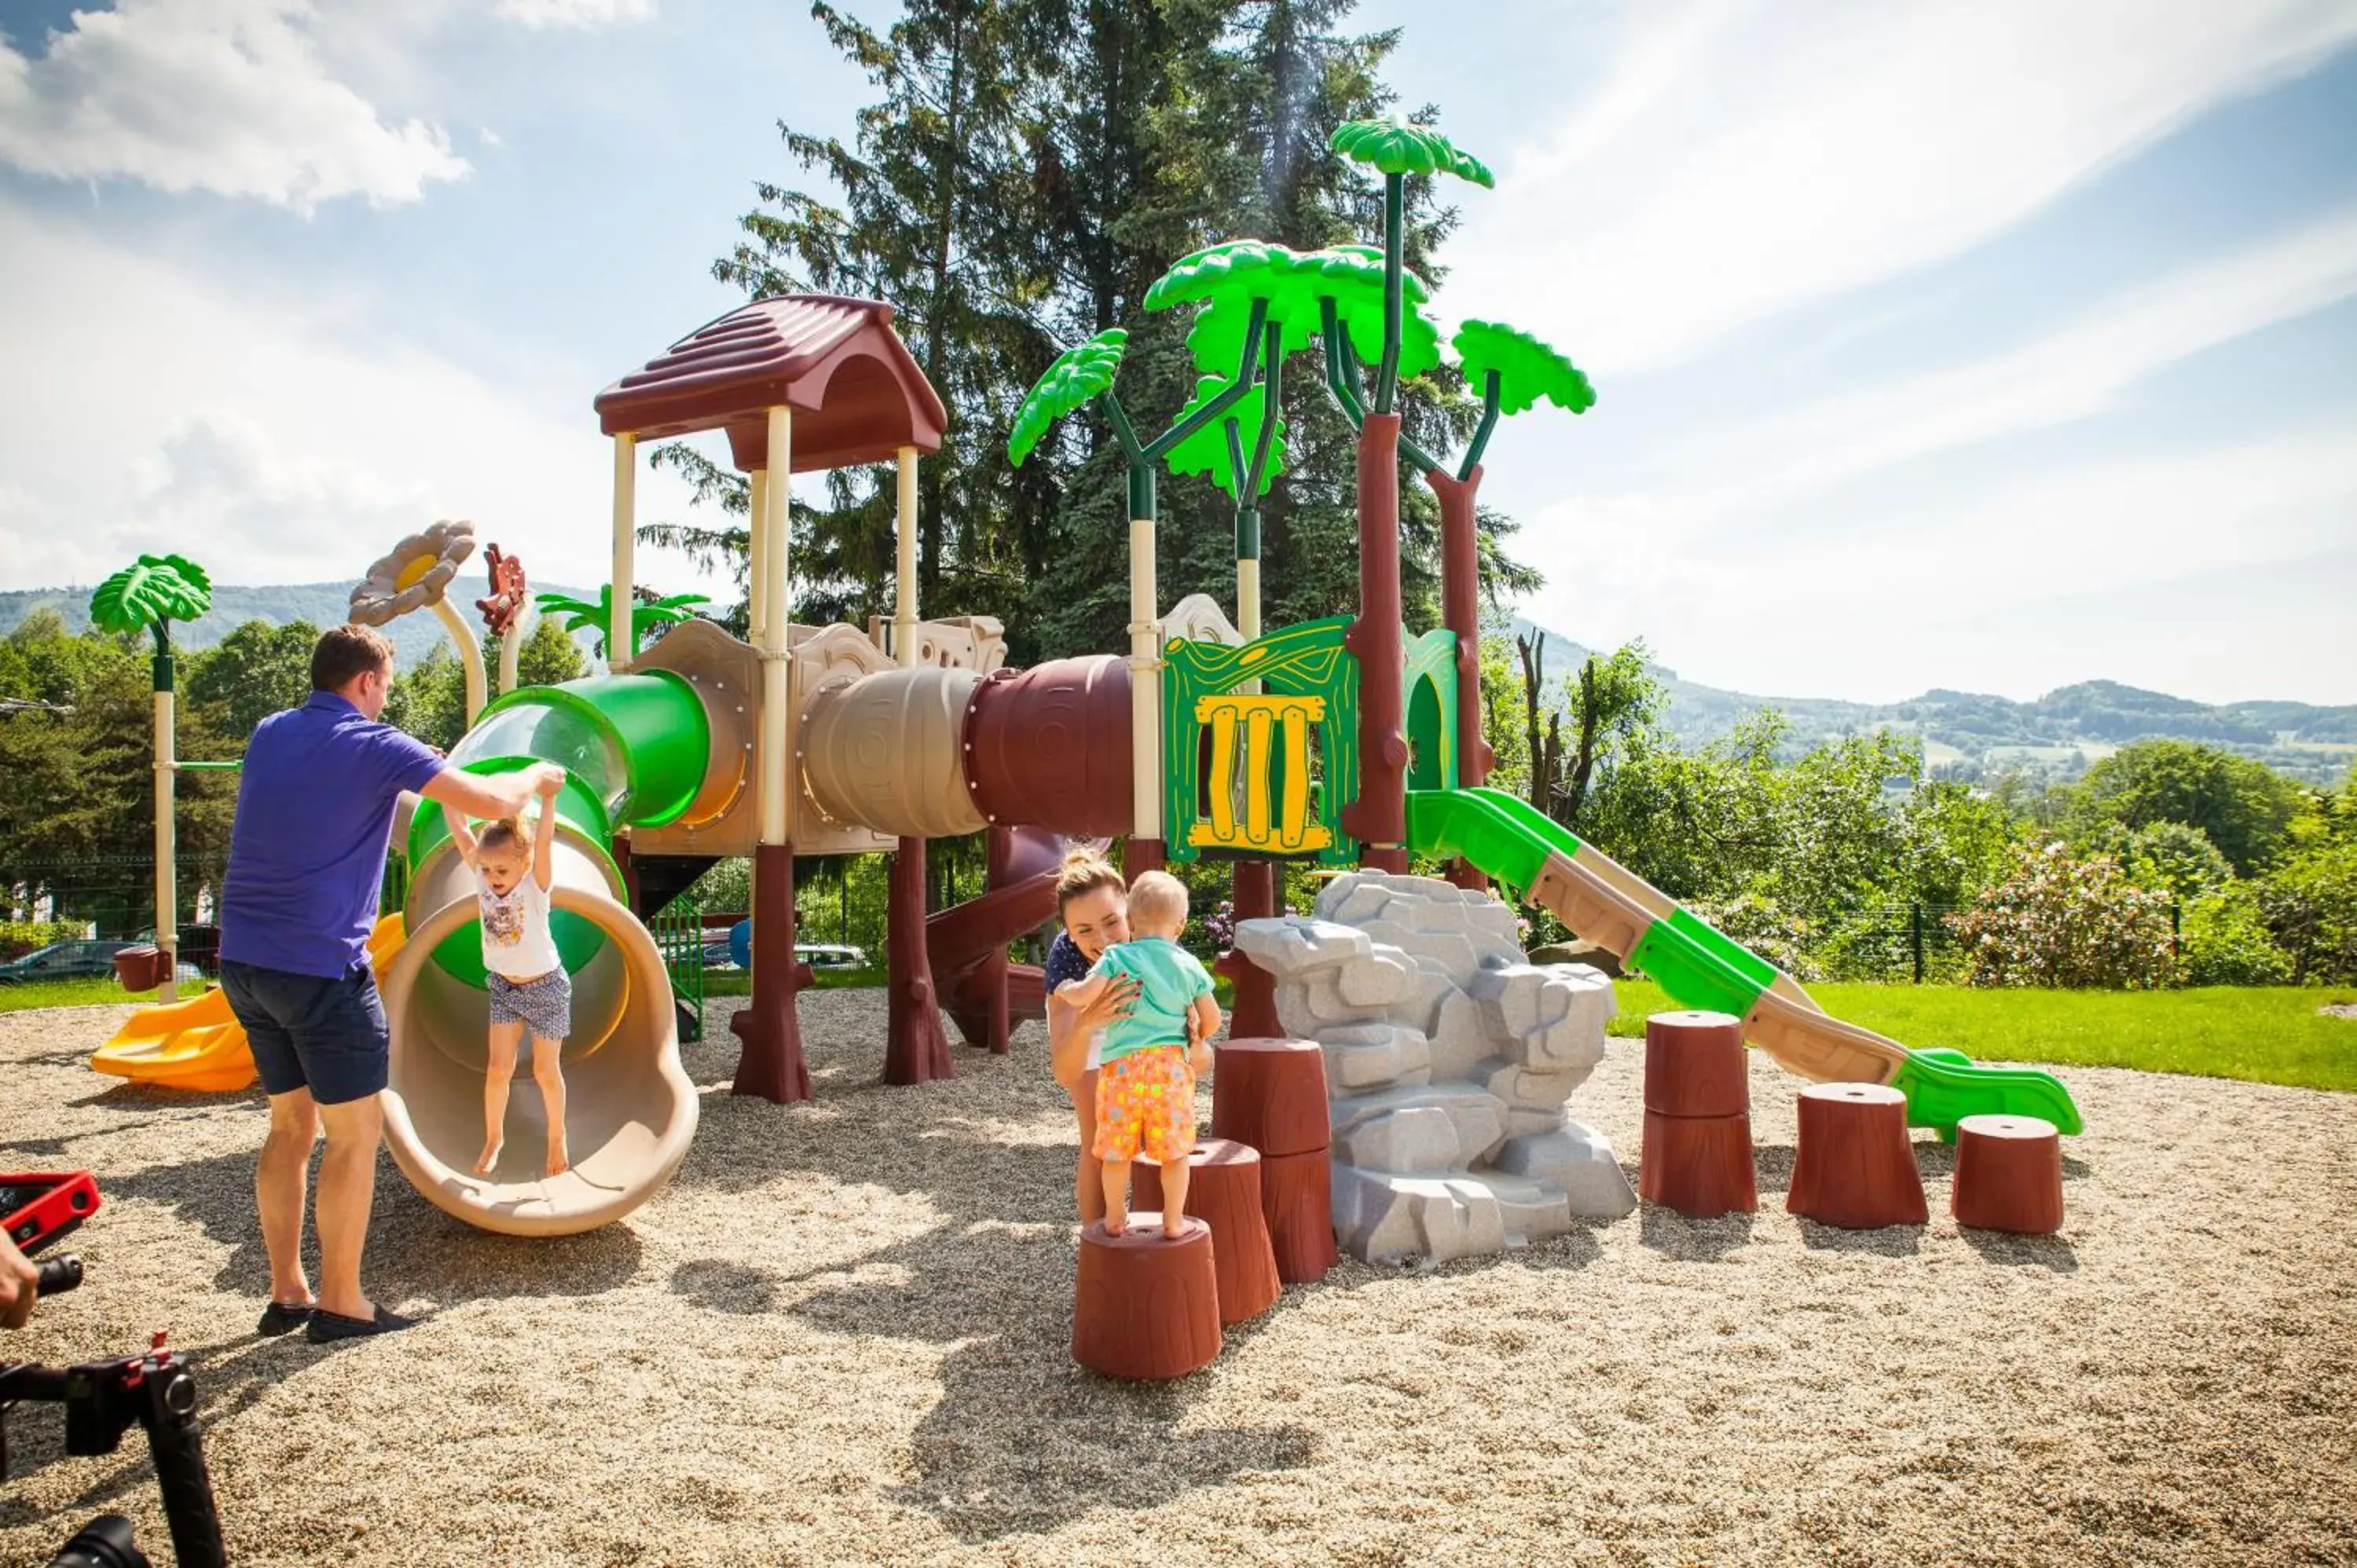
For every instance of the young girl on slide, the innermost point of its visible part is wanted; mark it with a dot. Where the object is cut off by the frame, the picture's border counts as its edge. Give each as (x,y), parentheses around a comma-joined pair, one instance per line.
(528,986)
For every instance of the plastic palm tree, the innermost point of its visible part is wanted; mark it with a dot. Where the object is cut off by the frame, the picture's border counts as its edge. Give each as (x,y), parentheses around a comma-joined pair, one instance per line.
(1396,151)
(148,595)
(647,612)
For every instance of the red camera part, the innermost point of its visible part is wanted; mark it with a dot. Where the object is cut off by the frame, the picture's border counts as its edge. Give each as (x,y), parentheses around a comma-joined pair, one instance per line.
(37,1208)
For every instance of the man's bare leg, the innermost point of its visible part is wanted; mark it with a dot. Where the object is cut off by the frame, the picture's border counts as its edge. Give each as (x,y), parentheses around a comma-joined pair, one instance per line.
(347,1186)
(280,1177)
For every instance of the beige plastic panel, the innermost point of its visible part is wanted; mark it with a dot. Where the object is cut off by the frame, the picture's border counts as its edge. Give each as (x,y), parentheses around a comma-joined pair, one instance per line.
(1593,909)
(887,751)
(726,673)
(1818,1047)
(960,642)
(826,656)
(1198,617)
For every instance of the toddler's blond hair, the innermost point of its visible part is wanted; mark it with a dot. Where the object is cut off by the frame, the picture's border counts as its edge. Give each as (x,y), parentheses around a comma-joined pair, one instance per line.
(1157,904)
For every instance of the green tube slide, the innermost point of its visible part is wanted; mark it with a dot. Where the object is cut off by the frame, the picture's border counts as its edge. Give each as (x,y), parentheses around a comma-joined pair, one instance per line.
(1701,967)
(634,749)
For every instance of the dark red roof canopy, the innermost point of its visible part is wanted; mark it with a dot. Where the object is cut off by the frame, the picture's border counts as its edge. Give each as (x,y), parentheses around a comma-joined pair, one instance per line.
(856,392)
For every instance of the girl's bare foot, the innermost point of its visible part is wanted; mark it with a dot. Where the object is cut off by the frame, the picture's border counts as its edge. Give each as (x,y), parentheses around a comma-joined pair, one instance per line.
(1115,1224)
(559,1160)
(491,1157)
(1174,1225)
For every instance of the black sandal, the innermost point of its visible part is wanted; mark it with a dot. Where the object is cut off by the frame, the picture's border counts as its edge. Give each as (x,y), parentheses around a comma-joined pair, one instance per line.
(279,1319)
(326,1327)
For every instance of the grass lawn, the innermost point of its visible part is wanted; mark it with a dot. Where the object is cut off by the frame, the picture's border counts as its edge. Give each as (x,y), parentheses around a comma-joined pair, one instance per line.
(90,992)
(2263,1035)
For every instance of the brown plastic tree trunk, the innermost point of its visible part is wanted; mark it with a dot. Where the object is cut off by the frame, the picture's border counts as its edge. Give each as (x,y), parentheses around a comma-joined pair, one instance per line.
(1696,1156)
(1256,995)
(1145,1306)
(1223,1191)
(916,1047)
(2008,1175)
(1855,1166)
(1270,1094)
(1460,611)
(771,1065)
(1377,818)
(1296,1193)
(1139,856)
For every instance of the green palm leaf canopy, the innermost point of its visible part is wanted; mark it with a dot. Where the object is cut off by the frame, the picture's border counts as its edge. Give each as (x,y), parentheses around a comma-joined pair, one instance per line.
(1227,279)
(583,615)
(1391,147)
(1078,375)
(152,590)
(1206,451)
(1527,368)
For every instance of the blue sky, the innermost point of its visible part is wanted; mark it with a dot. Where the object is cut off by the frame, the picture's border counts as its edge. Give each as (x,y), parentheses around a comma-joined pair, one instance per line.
(1993,346)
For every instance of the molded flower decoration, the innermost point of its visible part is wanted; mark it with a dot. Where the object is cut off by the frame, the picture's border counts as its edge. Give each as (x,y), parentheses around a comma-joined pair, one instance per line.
(1208,451)
(1392,148)
(1078,375)
(150,594)
(505,601)
(413,574)
(1527,370)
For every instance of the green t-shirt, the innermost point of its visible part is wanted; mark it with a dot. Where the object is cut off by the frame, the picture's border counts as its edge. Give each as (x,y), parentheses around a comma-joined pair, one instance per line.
(1168,980)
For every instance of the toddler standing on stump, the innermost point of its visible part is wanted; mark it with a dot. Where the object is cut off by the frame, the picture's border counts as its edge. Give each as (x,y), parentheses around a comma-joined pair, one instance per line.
(521,968)
(1146,1086)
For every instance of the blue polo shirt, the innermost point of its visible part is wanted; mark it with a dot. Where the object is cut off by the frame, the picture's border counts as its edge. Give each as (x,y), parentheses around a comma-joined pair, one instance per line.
(314,816)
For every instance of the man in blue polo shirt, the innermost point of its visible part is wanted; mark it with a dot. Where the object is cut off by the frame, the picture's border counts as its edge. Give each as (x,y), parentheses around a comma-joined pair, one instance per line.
(314,810)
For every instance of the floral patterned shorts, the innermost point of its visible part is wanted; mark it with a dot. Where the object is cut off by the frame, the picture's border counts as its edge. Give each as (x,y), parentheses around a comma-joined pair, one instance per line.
(1145,1104)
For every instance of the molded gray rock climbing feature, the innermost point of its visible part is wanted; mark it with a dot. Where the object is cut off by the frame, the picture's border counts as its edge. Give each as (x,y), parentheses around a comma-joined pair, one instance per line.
(1449,1058)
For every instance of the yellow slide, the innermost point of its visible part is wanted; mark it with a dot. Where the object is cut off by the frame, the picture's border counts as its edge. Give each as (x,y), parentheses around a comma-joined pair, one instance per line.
(196,1044)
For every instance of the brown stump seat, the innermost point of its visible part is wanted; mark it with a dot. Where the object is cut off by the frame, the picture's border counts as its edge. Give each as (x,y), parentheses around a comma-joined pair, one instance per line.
(1145,1305)
(1270,1094)
(1855,1166)
(1223,1191)
(1296,1193)
(1697,1155)
(2008,1175)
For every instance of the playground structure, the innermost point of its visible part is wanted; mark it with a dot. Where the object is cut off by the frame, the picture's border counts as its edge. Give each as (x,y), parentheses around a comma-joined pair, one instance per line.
(1346,740)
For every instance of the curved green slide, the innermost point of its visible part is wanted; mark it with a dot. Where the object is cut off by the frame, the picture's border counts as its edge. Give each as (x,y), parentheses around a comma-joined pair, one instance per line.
(634,749)
(1702,967)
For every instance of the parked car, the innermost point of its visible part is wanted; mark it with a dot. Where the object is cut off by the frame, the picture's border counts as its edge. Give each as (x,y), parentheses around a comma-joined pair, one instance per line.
(831,955)
(82,960)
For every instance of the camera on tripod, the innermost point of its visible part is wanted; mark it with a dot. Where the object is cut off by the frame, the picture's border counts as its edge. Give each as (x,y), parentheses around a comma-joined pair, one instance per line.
(103,1398)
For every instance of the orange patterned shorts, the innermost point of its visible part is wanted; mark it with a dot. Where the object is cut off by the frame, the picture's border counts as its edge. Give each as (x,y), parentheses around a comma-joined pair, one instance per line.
(1146,1104)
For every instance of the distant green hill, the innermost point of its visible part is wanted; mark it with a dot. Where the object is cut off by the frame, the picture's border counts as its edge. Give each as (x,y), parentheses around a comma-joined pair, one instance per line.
(321,604)
(1969,734)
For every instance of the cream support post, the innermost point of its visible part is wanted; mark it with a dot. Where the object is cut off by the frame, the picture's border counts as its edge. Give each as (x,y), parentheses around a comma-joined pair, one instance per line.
(904,597)
(511,649)
(626,521)
(1145,684)
(167,931)
(770,595)
(757,549)
(471,656)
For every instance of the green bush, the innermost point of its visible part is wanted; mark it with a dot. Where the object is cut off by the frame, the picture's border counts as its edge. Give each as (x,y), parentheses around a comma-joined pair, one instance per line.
(2058,920)
(18,938)
(2226,940)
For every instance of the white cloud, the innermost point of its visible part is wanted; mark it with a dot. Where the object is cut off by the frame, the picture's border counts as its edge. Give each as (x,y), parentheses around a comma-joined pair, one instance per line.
(226,96)
(2078,369)
(2027,582)
(1737,163)
(582,15)
(276,439)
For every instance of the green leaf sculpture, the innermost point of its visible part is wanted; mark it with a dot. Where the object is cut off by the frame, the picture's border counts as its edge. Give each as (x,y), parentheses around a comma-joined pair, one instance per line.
(151,591)
(584,615)
(1391,147)
(1206,451)
(1527,368)
(1227,279)
(1078,375)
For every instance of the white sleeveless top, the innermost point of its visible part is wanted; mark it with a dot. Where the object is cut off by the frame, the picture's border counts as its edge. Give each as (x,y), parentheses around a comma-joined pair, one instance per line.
(517,943)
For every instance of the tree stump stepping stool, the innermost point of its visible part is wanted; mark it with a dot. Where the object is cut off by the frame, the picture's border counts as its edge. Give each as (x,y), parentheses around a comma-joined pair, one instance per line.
(1856,1165)
(2008,1175)
(1223,1191)
(1697,1155)
(1270,1094)
(1145,1305)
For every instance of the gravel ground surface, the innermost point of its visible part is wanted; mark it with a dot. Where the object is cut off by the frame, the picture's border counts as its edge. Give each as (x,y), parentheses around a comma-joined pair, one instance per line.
(841,1336)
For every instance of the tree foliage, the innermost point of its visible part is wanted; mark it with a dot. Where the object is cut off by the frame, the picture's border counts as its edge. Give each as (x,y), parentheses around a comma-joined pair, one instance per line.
(2243,807)
(2064,921)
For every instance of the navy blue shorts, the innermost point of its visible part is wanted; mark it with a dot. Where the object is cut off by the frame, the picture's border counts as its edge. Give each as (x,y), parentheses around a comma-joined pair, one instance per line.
(327,1035)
